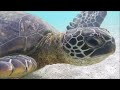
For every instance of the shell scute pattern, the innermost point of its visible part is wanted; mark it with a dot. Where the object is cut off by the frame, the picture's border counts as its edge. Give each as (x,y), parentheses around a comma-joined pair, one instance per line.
(26,33)
(30,25)
(6,33)
(9,47)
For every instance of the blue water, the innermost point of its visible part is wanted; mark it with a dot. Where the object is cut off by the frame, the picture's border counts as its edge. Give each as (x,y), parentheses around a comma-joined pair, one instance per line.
(60,19)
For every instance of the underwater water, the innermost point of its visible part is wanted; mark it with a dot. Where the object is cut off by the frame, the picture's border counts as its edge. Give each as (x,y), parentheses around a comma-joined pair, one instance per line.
(60,19)
(108,68)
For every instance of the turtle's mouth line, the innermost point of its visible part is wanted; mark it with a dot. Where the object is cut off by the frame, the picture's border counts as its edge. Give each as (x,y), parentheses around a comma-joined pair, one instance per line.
(108,48)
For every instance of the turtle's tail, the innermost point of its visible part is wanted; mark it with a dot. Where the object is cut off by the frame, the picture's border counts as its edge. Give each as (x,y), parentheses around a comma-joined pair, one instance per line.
(16,66)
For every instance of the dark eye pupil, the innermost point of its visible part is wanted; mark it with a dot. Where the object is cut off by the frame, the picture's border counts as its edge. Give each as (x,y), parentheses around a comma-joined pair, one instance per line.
(93,42)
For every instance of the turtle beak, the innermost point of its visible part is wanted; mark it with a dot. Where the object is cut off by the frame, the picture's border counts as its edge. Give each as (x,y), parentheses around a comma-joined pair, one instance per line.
(108,48)
(113,45)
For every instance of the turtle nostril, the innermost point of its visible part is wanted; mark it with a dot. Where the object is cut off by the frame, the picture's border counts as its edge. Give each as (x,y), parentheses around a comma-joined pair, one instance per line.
(113,40)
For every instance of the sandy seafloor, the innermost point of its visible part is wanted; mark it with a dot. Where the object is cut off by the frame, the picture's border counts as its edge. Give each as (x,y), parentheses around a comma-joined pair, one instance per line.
(107,69)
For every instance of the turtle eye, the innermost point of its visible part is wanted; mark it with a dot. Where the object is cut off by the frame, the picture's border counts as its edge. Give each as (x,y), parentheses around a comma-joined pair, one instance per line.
(92,42)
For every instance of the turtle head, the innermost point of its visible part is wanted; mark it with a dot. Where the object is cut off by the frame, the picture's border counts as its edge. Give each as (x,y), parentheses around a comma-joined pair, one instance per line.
(88,45)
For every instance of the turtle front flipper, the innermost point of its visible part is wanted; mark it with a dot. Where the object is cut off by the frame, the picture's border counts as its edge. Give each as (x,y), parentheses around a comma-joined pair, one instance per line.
(16,66)
(88,19)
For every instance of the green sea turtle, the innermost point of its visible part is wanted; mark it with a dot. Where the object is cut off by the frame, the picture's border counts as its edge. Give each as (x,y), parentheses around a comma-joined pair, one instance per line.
(27,43)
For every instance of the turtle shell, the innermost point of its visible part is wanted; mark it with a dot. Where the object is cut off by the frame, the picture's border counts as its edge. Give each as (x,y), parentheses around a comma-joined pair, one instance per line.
(19,31)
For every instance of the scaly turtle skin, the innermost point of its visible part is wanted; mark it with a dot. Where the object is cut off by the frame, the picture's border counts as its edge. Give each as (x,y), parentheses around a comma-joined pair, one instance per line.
(28,43)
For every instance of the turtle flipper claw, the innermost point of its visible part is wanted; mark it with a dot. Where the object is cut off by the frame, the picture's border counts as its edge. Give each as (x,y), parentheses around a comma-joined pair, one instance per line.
(16,66)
